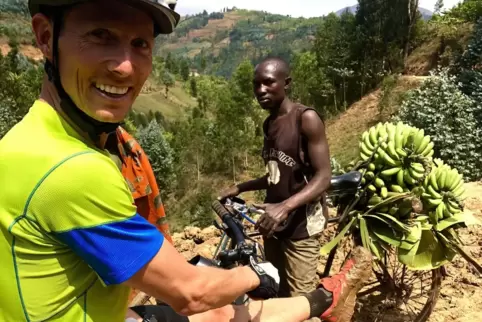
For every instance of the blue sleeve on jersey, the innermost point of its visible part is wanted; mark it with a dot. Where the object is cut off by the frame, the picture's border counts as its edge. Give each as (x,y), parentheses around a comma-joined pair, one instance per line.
(116,251)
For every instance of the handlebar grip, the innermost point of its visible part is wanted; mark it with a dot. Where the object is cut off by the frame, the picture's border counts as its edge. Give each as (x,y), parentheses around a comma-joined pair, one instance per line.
(234,231)
(219,209)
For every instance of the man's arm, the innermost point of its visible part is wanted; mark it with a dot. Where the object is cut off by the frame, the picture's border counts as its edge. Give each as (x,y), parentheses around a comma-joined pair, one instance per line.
(252,185)
(190,289)
(102,228)
(314,130)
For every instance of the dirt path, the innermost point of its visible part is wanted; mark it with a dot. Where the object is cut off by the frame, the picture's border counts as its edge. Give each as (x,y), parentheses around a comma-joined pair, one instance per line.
(461,295)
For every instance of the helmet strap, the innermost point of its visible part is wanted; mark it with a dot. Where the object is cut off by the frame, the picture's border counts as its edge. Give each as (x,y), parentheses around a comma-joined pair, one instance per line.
(86,123)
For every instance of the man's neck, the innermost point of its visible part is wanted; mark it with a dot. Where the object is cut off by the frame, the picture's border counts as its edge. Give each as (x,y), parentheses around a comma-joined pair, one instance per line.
(50,95)
(284,108)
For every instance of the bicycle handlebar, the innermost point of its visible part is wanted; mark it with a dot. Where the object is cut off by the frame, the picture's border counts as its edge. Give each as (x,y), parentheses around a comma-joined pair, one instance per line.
(234,229)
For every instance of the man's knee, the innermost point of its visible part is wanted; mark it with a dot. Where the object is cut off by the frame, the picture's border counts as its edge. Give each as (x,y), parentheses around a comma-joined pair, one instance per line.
(302,258)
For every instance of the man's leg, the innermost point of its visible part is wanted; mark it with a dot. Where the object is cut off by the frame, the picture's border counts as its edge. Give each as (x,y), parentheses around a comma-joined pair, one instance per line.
(333,300)
(302,257)
(274,250)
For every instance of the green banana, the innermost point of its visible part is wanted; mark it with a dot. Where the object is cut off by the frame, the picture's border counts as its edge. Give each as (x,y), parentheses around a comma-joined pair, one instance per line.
(408,179)
(454,180)
(388,159)
(364,156)
(391,150)
(434,202)
(396,188)
(423,145)
(401,152)
(434,194)
(379,183)
(433,179)
(459,192)
(414,174)
(372,188)
(428,149)
(447,213)
(399,136)
(453,210)
(374,200)
(370,175)
(384,192)
(400,180)
(371,167)
(433,217)
(391,171)
(430,154)
(440,211)
(417,167)
(373,136)
(441,179)
(417,139)
(367,142)
(364,149)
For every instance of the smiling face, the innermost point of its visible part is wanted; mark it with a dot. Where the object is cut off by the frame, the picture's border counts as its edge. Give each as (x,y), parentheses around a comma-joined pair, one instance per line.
(105,56)
(270,84)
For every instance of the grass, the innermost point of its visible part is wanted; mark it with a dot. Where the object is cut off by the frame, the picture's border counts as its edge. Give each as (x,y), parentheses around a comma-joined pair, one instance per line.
(172,107)
(344,131)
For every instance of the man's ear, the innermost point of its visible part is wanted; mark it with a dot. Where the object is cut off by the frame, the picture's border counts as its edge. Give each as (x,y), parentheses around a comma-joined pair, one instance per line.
(287,83)
(43,31)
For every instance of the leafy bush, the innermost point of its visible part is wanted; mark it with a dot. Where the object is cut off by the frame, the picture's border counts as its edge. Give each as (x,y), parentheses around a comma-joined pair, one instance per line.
(160,154)
(448,115)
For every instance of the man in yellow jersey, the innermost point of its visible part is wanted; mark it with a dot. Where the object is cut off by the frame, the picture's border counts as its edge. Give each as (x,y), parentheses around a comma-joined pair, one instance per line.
(71,242)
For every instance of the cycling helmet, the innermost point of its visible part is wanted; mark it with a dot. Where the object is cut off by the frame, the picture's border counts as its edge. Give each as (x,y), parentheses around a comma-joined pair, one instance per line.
(165,20)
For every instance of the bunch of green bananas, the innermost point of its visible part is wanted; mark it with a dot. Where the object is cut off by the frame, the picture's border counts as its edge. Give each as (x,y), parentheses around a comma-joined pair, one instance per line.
(444,190)
(400,159)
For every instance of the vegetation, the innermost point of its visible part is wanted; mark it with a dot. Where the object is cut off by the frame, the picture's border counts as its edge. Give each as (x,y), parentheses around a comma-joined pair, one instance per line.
(201,127)
(449,108)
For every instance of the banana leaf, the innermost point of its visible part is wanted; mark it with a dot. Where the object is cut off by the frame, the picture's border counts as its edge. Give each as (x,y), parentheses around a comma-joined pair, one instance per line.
(325,250)
(465,217)
(390,220)
(451,244)
(430,253)
(388,201)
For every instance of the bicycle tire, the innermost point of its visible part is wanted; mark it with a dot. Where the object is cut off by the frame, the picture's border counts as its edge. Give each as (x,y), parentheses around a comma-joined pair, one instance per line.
(387,290)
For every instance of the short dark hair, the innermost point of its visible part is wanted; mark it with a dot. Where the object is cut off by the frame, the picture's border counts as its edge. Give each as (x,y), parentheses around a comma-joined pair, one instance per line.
(281,65)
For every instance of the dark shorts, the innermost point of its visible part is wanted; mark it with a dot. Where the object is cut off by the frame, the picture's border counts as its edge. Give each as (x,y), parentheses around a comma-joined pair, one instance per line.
(158,313)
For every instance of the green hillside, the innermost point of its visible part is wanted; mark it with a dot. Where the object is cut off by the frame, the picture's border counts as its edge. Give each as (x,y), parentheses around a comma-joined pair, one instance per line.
(218,42)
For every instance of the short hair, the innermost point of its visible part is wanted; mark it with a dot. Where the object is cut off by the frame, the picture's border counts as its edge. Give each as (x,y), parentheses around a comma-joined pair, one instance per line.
(281,65)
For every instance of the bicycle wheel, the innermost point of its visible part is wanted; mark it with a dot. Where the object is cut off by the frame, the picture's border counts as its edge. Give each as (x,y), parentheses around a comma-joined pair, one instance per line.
(393,293)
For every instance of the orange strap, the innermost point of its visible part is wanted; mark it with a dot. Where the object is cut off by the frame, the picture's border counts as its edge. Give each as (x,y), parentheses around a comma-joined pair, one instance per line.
(138,173)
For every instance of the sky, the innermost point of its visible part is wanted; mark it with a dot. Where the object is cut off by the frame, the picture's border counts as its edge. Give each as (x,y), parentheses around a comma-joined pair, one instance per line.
(297,8)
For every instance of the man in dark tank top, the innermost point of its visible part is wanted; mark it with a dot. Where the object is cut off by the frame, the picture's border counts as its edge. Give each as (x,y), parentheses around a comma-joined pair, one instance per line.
(296,156)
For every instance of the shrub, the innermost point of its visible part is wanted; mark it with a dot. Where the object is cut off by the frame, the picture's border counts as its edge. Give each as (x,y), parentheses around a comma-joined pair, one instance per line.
(448,115)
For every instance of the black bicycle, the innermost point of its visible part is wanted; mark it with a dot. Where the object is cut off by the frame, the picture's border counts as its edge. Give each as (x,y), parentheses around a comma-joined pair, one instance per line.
(394,293)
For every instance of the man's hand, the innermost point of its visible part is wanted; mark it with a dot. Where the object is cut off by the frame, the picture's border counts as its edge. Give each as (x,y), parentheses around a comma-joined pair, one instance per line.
(274,214)
(229,192)
(269,280)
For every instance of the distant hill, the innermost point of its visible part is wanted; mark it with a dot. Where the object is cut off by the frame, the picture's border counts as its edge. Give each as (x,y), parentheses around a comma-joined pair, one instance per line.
(217,42)
(426,14)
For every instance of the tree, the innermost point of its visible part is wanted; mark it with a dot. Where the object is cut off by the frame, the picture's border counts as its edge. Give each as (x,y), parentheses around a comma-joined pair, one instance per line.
(168,80)
(438,7)
(310,85)
(193,85)
(160,155)
(184,70)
